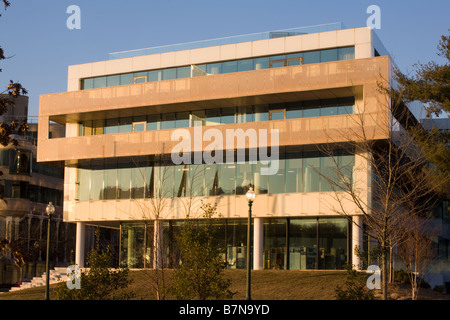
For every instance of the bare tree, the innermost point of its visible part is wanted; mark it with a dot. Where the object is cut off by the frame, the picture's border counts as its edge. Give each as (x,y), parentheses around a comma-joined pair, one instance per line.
(164,197)
(416,250)
(390,174)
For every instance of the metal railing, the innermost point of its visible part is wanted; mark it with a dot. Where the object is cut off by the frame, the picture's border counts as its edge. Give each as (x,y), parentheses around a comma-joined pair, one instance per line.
(227,40)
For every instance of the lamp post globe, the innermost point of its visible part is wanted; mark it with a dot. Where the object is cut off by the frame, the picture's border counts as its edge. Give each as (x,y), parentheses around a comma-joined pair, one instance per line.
(250,195)
(50,210)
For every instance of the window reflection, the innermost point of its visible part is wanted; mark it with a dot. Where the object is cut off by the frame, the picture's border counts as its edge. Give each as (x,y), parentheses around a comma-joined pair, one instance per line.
(288,243)
(219,116)
(292,59)
(297,172)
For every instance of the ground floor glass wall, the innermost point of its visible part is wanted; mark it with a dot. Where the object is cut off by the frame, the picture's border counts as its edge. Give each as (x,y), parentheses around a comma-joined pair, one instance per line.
(289,243)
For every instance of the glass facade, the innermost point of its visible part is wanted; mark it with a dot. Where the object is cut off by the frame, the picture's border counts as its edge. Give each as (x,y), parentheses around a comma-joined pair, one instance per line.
(220,116)
(290,243)
(317,56)
(297,172)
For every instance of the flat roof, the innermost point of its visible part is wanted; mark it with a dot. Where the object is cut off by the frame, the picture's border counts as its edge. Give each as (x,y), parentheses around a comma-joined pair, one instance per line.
(228,40)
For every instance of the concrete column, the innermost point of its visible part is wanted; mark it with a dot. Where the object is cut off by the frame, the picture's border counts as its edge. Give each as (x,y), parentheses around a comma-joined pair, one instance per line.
(357,239)
(130,248)
(16,229)
(258,236)
(8,231)
(80,242)
(29,216)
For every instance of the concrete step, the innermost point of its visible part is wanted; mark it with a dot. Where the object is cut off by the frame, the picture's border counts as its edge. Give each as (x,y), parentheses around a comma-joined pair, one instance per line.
(56,275)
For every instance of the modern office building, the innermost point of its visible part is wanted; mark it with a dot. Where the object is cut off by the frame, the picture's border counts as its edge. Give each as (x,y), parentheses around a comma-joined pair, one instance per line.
(279,94)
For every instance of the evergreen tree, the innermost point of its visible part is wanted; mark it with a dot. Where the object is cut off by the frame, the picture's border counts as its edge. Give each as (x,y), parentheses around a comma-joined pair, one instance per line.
(430,84)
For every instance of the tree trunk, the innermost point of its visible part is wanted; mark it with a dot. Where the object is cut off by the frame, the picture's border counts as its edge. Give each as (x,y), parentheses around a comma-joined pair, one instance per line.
(384,271)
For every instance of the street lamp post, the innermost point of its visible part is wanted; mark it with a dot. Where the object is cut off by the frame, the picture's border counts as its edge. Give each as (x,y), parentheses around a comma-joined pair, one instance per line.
(50,210)
(250,198)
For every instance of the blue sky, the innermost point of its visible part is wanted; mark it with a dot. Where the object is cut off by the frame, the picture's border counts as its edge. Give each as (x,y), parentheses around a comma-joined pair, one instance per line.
(34,33)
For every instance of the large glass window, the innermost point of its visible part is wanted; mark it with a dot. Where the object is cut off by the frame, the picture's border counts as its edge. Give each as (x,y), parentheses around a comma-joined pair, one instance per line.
(124,183)
(328,55)
(113,81)
(96,192)
(212,179)
(214,68)
(110,185)
(228,116)
(84,177)
(88,84)
(168,121)
(329,108)
(155,75)
(236,241)
(227,179)
(276,181)
(126,79)
(196,180)
(149,182)
(302,244)
(111,126)
(137,182)
(181,181)
(219,116)
(100,82)
(245,65)
(275,246)
(182,120)
(297,172)
(153,122)
(222,67)
(311,172)
(169,74)
(212,117)
(229,66)
(198,118)
(294,174)
(261,113)
(125,124)
(244,114)
(294,110)
(132,245)
(346,53)
(21,163)
(346,105)
(244,177)
(311,57)
(293,243)
(183,72)
(332,243)
(261,63)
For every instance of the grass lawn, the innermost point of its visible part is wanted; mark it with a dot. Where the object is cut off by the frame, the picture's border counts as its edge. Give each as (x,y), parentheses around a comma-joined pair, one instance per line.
(266,285)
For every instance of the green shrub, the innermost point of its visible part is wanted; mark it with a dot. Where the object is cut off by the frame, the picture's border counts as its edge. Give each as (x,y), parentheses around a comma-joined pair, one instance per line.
(355,287)
(100,282)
